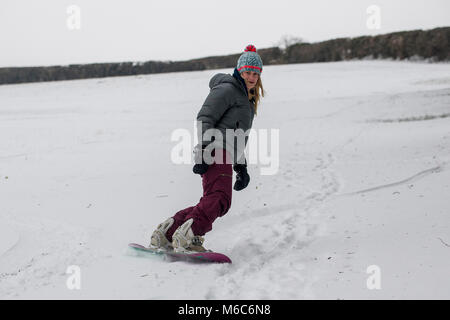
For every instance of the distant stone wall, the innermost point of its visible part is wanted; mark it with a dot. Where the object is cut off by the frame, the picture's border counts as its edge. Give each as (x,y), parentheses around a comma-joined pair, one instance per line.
(417,44)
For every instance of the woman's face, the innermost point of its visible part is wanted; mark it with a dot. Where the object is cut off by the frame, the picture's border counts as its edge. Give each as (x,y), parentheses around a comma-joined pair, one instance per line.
(250,78)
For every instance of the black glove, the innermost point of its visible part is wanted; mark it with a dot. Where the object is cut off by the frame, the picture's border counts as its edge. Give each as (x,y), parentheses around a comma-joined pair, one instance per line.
(200,166)
(242,177)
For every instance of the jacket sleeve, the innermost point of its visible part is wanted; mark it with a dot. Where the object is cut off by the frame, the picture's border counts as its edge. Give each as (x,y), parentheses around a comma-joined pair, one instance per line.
(218,101)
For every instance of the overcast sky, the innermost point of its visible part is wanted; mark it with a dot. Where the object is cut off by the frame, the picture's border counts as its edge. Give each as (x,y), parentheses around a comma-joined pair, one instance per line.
(45,32)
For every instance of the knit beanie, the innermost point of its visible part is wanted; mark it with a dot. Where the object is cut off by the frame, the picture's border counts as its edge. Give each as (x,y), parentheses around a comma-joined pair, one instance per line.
(250,60)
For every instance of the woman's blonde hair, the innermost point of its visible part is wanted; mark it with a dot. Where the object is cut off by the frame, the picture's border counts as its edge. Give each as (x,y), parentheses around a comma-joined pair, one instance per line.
(256,93)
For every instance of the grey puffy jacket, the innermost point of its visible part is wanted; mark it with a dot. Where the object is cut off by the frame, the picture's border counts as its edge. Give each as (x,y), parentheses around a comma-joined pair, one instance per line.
(226,107)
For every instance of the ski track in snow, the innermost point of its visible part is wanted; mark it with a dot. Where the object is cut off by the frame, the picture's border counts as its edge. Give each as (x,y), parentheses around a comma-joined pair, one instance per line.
(274,255)
(413,178)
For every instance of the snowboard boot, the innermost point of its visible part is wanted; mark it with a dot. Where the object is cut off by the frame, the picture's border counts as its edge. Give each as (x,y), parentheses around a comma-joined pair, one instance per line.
(184,239)
(159,239)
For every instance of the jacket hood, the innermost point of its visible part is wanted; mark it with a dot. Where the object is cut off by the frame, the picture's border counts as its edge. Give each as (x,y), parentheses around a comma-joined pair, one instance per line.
(225,78)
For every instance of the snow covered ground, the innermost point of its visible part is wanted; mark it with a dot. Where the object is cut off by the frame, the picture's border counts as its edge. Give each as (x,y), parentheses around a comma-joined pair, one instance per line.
(361,199)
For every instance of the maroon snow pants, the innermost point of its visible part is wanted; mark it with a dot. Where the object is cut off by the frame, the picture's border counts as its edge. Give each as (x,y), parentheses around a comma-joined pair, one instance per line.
(216,199)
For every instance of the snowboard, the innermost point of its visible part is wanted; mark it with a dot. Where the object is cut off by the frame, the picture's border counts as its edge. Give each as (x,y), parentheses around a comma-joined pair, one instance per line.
(198,257)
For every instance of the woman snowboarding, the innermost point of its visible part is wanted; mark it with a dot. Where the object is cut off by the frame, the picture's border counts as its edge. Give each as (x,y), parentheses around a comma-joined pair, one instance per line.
(230,105)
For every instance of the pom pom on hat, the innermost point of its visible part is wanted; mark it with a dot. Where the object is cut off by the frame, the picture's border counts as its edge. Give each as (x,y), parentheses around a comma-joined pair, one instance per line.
(251,48)
(250,60)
